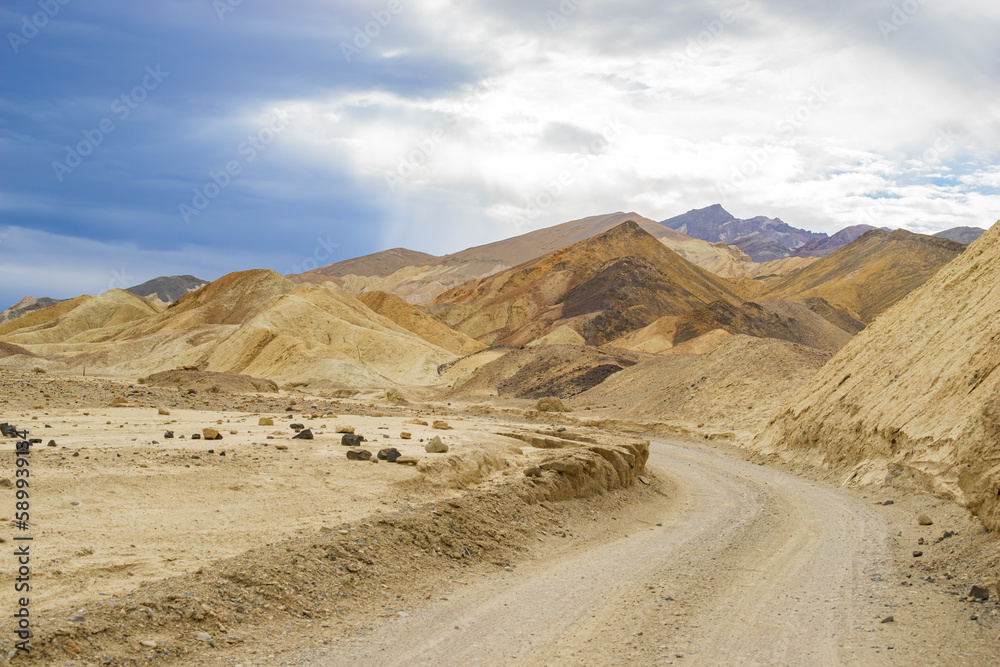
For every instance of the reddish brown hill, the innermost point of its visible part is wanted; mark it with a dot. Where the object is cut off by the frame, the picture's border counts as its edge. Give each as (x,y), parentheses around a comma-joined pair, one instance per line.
(602,287)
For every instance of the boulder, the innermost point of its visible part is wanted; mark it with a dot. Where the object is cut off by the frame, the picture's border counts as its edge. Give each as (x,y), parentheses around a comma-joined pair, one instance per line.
(168,435)
(196,436)
(297,427)
(435,446)
(359,455)
(304,434)
(351,440)
(211,434)
(390,454)
(345,429)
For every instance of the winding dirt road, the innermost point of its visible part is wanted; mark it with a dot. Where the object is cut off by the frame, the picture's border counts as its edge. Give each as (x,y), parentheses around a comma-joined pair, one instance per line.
(751,566)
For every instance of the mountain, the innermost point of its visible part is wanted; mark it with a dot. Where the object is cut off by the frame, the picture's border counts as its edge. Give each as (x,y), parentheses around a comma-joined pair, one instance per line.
(965,235)
(420,278)
(821,247)
(602,287)
(256,323)
(764,239)
(917,393)
(167,289)
(26,305)
(868,276)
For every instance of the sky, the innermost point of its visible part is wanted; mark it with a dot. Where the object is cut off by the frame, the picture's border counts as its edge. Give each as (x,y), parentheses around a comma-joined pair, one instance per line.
(208,136)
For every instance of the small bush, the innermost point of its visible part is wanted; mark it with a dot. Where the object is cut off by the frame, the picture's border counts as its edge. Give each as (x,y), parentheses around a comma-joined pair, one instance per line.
(141,380)
(551,404)
(36,369)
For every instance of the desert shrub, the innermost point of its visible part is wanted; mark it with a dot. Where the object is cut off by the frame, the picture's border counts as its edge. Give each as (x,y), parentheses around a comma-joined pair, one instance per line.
(551,404)
(37,369)
(141,380)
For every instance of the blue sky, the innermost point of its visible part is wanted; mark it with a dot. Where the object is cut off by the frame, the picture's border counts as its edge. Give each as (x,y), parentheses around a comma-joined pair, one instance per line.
(207,136)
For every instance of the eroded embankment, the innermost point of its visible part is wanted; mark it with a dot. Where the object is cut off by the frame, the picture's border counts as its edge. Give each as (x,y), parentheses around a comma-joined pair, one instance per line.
(334,577)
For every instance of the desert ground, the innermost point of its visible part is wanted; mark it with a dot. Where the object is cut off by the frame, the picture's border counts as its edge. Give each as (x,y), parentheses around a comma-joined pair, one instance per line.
(261,549)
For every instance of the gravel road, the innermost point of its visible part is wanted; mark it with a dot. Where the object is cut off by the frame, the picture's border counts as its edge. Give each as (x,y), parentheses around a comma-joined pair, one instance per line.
(751,566)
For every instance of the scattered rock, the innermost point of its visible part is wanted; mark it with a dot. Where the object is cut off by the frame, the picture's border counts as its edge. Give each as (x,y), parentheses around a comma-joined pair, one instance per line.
(345,429)
(889,502)
(352,440)
(168,435)
(281,447)
(533,471)
(888,619)
(391,454)
(303,435)
(203,637)
(73,648)
(50,443)
(441,425)
(297,427)
(406,461)
(405,435)
(435,446)
(211,434)
(265,421)
(925,520)
(359,455)
(417,422)
(8,431)
(979,593)
(6,484)
(918,554)
(163,411)
(148,643)
(116,402)
(196,436)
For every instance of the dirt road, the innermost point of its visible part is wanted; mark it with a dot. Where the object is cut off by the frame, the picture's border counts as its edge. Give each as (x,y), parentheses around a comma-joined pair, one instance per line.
(751,566)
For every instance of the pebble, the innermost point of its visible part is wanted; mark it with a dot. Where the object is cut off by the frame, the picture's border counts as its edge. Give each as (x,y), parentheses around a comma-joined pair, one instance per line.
(918,554)
(405,435)
(889,502)
(148,643)
(888,619)
(925,520)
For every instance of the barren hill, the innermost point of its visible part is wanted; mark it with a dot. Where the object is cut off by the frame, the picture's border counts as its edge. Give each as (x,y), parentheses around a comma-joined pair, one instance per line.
(602,287)
(425,326)
(870,275)
(252,322)
(551,370)
(418,277)
(83,319)
(792,321)
(26,305)
(965,235)
(917,391)
(167,289)
(734,388)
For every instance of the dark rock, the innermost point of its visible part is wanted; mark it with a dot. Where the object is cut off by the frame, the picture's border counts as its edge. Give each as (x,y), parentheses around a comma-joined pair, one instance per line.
(889,502)
(351,440)
(297,427)
(888,619)
(168,435)
(8,431)
(918,554)
(979,593)
(359,455)
(303,435)
(51,443)
(390,454)
(196,436)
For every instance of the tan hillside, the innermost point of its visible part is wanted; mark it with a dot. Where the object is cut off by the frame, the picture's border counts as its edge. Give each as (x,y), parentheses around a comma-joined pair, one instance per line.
(868,276)
(83,319)
(253,323)
(785,320)
(916,391)
(547,370)
(419,278)
(735,387)
(602,287)
(425,326)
